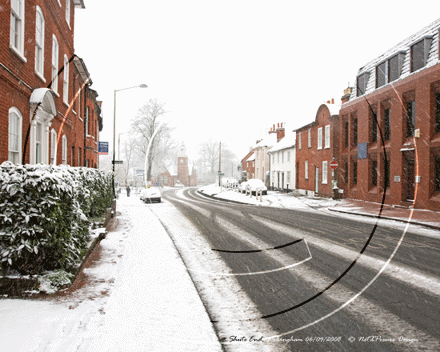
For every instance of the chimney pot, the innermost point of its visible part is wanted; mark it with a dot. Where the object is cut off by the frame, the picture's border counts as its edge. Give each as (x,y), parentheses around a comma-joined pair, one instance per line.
(333,100)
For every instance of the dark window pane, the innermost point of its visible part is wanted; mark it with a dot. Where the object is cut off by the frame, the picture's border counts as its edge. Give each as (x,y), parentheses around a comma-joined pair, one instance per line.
(381,75)
(393,69)
(361,84)
(373,127)
(346,133)
(355,173)
(374,172)
(437,113)
(387,173)
(410,118)
(418,56)
(355,131)
(346,172)
(437,173)
(387,129)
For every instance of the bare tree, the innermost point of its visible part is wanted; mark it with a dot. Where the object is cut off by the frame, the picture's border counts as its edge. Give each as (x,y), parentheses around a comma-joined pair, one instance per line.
(208,162)
(209,154)
(129,156)
(149,126)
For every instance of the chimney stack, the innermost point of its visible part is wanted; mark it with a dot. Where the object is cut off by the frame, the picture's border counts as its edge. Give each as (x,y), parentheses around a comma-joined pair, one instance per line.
(346,97)
(280,132)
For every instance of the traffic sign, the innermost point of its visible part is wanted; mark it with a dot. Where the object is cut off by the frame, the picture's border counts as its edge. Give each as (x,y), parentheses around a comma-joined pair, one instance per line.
(103,148)
(117,162)
(334,164)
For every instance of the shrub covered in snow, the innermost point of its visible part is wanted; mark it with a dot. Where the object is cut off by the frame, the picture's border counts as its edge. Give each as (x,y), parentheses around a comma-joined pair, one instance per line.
(52,281)
(44,213)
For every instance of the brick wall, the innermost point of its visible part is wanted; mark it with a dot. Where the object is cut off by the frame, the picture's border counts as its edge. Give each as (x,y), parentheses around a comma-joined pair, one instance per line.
(316,180)
(400,150)
(18,79)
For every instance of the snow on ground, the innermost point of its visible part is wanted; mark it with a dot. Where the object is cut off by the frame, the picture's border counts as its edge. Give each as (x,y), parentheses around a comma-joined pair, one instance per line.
(273,199)
(139,298)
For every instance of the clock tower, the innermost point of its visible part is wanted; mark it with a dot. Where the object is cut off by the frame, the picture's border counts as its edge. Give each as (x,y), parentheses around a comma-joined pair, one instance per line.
(182,166)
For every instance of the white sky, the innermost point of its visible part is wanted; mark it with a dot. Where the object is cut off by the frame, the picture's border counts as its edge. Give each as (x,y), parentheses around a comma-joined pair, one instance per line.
(228,70)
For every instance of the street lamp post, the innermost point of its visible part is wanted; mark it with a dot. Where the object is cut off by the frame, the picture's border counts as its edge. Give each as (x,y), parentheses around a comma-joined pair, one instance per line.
(114,130)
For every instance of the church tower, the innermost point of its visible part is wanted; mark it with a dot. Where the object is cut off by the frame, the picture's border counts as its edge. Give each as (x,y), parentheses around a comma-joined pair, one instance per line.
(182,166)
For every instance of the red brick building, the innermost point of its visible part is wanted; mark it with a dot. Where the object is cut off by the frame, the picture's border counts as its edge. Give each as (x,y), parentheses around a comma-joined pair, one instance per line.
(248,165)
(317,144)
(48,113)
(390,127)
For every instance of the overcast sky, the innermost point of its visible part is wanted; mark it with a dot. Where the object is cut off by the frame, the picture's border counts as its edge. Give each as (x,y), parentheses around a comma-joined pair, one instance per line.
(228,70)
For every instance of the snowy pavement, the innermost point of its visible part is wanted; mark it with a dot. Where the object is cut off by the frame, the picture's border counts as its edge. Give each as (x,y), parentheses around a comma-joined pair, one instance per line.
(139,298)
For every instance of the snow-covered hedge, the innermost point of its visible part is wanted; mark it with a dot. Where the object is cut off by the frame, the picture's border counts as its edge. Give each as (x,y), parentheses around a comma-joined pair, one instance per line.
(45,212)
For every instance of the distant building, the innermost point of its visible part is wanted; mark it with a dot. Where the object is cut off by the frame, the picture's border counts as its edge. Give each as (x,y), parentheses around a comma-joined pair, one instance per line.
(48,113)
(317,145)
(390,126)
(248,165)
(183,176)
(282,164)
(262,160)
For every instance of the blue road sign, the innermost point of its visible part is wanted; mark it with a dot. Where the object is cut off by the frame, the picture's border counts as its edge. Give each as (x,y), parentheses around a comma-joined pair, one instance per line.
(103,148)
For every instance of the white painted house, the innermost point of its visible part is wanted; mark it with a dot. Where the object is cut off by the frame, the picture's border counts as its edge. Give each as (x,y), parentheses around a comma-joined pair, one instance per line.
(282,163)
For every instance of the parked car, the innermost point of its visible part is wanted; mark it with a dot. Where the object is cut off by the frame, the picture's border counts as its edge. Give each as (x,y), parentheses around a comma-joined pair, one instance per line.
(254,185)
(150,195)
(242,187)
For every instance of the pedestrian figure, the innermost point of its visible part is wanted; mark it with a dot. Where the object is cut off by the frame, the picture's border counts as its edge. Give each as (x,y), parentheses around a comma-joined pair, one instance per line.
(128,191)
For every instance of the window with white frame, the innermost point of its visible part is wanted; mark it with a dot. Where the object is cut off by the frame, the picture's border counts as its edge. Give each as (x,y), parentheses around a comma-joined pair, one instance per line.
(68,12)
(306,170)
(282,156)
(15,128)
(66,80)
(86,122)
(309,134)
(327,136)
(288,156)
(38,143)
(17,26)
(64,150)
(53,147)
(320,138)
(288,177)
(299,140)
(39,42)
(324,172)
(55,51)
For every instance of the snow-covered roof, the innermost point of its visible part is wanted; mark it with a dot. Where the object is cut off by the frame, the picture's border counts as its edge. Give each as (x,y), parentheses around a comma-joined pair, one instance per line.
(251,158)
(79,4)
(43,97)
(430,32)
(268,141)
(333,108)
(287,142)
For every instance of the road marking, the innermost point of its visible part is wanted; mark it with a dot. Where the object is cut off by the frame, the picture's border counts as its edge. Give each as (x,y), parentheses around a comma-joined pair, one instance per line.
(400,272)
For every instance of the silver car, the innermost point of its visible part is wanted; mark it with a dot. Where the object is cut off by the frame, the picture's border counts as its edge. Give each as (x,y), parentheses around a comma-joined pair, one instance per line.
(150,195)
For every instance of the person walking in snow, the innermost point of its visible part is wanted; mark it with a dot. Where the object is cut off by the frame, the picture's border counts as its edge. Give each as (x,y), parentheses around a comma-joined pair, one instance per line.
(128,191)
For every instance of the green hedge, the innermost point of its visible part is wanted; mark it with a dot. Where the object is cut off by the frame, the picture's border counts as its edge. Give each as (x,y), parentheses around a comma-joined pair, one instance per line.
(45,212)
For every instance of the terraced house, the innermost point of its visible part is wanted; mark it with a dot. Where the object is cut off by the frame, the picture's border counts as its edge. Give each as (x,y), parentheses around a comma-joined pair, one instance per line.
(48,112)
(390,128)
